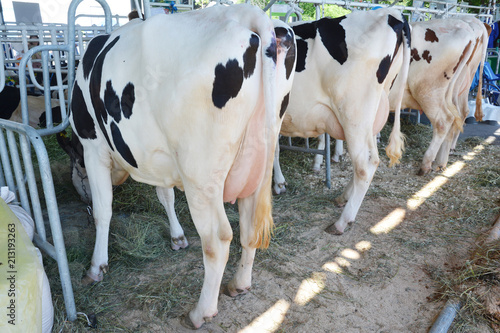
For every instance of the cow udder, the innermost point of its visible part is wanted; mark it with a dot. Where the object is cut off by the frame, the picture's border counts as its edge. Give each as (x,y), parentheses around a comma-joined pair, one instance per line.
(248,168)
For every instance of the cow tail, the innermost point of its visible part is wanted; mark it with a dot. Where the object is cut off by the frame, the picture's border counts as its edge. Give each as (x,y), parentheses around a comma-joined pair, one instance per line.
(263,219)
(395,148)
(450,105)
(478,114)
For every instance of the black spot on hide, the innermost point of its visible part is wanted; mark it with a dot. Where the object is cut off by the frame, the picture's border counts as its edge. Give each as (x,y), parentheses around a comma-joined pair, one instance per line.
(305,30)
(95,46)
(284,105)
(227,83)
(128,99)
(112,102)
(301,55)
(121,146)
(383,69)
(285,39)
(397,26)
(250,56)
(333,37)
(84,124)
(95,89)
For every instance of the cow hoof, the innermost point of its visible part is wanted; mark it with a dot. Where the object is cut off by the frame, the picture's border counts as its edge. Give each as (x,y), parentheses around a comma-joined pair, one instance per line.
(332,229)
(422,172)
(90,279)
(340,201)
(187,323)
(280,188)
(440,168)
(178,243)
(231,291)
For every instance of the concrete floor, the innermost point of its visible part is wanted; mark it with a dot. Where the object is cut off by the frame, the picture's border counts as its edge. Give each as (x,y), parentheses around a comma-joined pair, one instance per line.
(483,129)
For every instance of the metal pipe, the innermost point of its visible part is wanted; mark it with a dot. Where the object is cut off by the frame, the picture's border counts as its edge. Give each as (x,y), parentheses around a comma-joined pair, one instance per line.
(22,86)
(269,5)
(33,189)
(446,317)
(328,161)
(4,155)
(20,188)
(52,210)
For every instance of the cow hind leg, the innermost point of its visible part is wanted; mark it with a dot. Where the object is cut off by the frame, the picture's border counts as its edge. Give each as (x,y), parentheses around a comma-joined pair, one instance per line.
(279,180)
(102,195)
(365,161)
(210,220)
(339,151)
(318,158)
(337,154)
(167,198)
(242,280)
(440,129)
(444,151)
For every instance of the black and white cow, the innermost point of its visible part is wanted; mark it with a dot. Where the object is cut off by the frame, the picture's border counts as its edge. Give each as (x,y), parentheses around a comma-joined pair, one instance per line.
(345,69)
(192,100)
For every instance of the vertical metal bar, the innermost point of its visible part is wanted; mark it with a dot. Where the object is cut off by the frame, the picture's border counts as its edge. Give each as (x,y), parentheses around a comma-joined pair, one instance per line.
(4,153)
(46,89)
(18,172)
(55,223)
(2,67)
(328,161)
(60,86)
(33,189)
(147,8)
(307,143)
(2,176)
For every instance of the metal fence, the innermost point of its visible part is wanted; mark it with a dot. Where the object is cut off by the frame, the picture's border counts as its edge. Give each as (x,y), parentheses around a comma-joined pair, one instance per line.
(52,51)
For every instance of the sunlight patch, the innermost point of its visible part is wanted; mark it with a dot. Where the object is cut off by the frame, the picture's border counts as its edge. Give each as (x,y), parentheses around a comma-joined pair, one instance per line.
(435,184)
(389,222)
(310,288)
(350,254)
(342,262)
(363,246)
(332,267)
(270,320)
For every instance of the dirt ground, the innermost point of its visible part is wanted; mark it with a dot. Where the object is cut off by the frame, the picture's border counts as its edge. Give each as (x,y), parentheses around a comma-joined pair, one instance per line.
(377,277)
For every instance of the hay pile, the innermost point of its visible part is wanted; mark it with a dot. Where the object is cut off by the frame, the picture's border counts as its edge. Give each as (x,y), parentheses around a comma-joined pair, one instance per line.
(475,285)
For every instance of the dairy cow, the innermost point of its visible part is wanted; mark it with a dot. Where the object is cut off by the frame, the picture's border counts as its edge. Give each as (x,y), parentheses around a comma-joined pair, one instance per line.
(345,68)
(445,56)
(196,103)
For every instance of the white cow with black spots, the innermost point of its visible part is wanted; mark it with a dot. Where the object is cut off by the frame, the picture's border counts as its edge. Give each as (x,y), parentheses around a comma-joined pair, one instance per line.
(192,100)
(345,68)
(445,55)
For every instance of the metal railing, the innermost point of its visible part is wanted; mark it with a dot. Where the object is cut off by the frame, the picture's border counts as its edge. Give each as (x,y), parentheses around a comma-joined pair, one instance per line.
(59,48)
